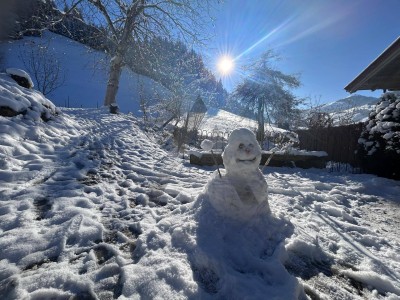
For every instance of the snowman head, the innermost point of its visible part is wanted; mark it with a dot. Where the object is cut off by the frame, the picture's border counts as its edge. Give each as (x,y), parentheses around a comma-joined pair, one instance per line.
(243,153)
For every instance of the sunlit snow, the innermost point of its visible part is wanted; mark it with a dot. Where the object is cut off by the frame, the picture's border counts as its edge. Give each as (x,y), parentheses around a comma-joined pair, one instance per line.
(92,207)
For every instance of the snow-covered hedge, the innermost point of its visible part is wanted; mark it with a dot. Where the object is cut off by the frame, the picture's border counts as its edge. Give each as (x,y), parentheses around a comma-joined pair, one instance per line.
(380,140)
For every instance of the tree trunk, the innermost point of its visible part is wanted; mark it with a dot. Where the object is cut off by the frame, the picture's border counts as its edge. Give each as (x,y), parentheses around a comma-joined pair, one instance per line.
(261,121)
(117,61)
(113,80)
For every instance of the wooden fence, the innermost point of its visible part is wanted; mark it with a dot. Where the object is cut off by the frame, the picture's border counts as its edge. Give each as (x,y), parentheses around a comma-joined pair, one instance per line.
(339,142)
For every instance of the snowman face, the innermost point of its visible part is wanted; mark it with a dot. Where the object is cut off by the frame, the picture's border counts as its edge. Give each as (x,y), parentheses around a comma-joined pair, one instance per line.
(242,153)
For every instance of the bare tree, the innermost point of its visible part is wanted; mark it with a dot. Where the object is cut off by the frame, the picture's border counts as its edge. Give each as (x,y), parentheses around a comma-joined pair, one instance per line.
(345,114)
(314,116)
(41,62)
(319,116)
(318,119)
(136,20)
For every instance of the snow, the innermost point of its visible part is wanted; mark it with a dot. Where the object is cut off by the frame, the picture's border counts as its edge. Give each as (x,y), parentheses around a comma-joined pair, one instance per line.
(21,99)
(293,151)
(92,207)
(20,73)
(221,121)
(207,145)
(384,123)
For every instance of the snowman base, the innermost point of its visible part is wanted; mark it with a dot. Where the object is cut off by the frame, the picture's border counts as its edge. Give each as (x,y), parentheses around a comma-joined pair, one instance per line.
(234,198)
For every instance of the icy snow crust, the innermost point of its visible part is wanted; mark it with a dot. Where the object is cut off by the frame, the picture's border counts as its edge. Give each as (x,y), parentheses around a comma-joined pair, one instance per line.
(91,207)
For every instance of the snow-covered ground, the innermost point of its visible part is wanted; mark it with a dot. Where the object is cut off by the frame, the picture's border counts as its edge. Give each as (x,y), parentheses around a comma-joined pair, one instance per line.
(92,207)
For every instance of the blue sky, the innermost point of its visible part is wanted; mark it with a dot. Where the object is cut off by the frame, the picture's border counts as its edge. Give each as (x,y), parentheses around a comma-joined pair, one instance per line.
(328,42)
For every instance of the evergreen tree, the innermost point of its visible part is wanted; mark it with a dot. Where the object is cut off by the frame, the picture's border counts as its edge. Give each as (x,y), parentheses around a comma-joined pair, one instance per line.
(267,92)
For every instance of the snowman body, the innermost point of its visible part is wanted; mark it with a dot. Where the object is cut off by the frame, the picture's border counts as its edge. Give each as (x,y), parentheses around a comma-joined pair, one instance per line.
(242,191)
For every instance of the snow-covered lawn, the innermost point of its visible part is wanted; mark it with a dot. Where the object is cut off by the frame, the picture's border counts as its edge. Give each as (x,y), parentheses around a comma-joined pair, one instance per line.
(91,206)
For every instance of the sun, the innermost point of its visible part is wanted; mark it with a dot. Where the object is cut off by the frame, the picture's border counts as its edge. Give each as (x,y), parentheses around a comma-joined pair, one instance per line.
(225,65)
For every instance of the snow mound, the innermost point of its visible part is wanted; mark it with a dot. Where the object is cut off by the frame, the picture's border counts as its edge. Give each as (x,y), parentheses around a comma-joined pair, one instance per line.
(22,74)
(20,100)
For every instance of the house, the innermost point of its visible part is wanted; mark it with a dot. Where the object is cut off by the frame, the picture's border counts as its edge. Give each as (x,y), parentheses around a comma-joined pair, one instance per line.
(383,73)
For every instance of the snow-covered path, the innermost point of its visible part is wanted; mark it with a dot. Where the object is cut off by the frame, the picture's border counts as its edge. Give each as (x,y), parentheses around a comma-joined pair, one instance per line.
(91,207)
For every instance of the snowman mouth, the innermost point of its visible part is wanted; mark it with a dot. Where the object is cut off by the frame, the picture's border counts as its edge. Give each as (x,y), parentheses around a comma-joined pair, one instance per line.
(246,160)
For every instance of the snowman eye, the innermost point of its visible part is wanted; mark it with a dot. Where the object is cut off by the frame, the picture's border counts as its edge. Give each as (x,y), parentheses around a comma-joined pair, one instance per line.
(241,146)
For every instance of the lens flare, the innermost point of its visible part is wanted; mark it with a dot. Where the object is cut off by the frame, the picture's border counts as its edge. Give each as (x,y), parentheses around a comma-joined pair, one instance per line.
(225,65)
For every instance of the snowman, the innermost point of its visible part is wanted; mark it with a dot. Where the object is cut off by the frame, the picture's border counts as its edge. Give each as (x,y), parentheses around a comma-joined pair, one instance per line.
(241,192)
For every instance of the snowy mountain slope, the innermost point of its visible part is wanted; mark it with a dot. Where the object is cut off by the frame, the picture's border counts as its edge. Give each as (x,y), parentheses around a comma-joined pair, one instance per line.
(85,73)
(352,101)
(92,208)
(219,120)
(355,107)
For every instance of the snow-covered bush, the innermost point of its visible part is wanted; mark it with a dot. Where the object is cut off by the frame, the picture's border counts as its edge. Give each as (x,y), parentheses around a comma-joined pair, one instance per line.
(281,140)
(21,77)
(17,100)
(379,144)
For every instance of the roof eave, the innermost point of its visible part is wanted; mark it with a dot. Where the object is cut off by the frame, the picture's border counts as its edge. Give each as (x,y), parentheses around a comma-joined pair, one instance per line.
(387,56)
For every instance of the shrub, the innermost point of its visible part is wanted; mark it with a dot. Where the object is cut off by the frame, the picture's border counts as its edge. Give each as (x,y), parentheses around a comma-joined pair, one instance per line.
(379,143)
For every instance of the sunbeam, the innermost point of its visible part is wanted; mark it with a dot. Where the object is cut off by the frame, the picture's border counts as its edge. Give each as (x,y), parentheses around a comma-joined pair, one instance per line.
(268,35)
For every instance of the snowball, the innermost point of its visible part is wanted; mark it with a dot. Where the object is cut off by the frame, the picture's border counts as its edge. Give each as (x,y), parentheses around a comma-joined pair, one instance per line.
(206,145)
(238,200)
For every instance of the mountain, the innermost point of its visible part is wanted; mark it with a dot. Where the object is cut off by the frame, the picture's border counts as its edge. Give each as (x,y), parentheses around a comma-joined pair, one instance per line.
(353,101)
(349,110)
(355,107)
